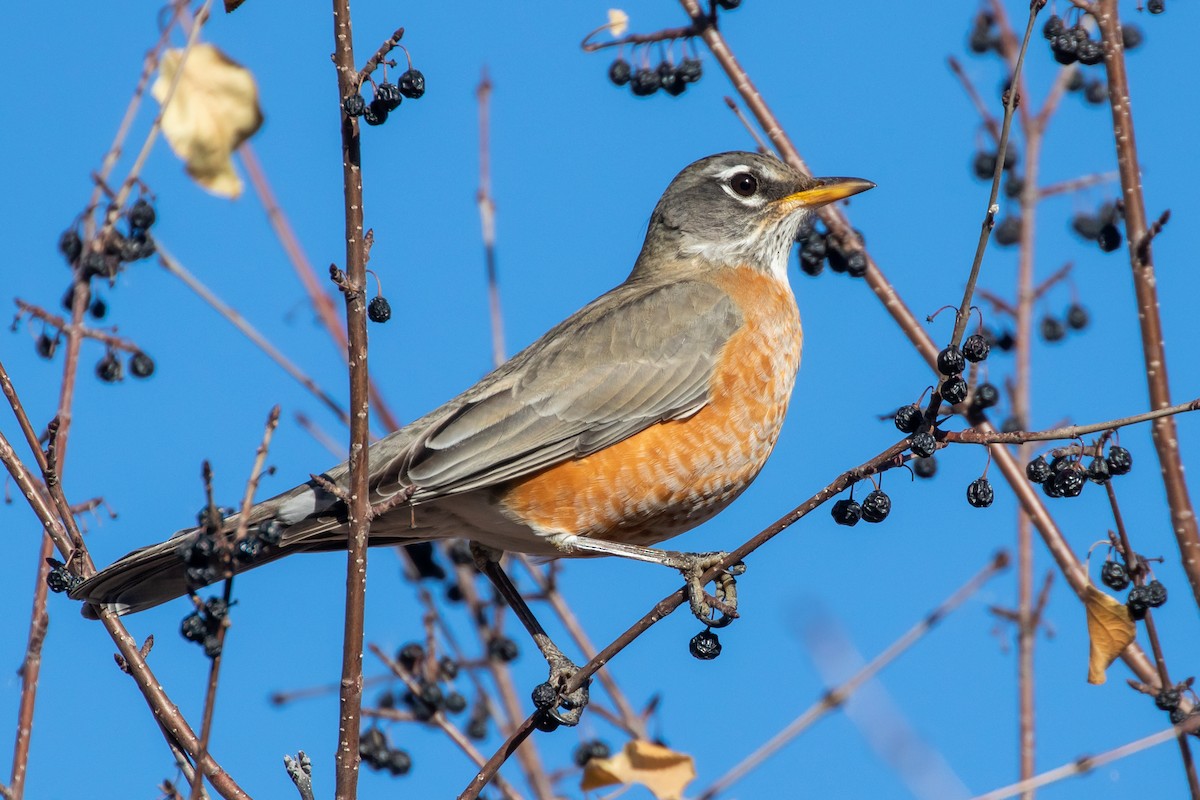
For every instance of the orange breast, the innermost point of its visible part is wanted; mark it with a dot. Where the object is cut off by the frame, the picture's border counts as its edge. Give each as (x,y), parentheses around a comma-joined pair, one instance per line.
(676,474)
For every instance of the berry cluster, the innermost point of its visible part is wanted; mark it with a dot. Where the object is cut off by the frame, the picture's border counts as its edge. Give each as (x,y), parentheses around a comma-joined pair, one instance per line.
(874,508)
(1141,598)
(817,246)
(109,368)
(203,627)
(984,35)
(386,98)
(1065,475)
(378,754)
(644,81)
(208,555)
(1054,329)
(116,249)
(1101,227)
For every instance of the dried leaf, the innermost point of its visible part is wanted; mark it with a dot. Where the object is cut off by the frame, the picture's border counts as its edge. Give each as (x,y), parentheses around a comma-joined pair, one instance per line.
(618,22)
(661,770)
(214,109)
(1110,629)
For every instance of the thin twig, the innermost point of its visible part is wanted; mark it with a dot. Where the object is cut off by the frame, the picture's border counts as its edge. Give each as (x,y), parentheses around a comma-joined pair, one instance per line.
(973,436)
(487,217)
(834,698)
(110,339)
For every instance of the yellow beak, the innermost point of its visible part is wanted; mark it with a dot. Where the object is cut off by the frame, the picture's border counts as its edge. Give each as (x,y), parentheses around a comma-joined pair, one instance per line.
(826,190)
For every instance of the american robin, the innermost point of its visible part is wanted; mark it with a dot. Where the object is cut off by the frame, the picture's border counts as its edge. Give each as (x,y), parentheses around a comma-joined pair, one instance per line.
(639,417)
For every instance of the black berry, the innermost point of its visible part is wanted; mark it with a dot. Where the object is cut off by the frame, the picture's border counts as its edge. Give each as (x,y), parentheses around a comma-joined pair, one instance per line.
(1156,6)
(924,467)
(399,762)
(690,70)
(1131,36)
(1167,699)
(109,369)
(410,656)
(954,389)
(503,649)
(379,309)
(1008,232)
(951,361)
(412,84)
(980,493)
(589,750)
(908,418)
(1109,237)
(876,506)
(984,165)
(1156,594)
(98,309)
(1095,92)
(544,696)
(376,113)
(705,645)
(669,80)
(986,396)
(1097,471)
(1052,329)
(194,628)
(1138,602)
(1038,470)
(1064,47)
(142,215)
(923,444)
(846,512)
(1120,461)
(1114,576)
(1087,226)
(388,94)
(619,72)
(455,703)
(645,82)
(1070,481)
(70,245)
(354,106)
(59,579)
(729,5)
(974,349)
(1077,317)
(1053,27)
(46,345)
(1090,52)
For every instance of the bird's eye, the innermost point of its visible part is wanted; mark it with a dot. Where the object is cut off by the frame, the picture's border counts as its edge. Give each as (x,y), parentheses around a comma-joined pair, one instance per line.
(744,184)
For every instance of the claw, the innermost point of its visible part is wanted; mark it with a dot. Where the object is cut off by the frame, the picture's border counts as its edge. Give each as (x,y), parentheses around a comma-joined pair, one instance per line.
(702,604)
(558,708)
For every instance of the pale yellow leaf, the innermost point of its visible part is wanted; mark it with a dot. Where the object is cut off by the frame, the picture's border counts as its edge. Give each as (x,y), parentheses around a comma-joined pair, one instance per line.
(214,109)
(618,22)
(661,770)
(1110,629)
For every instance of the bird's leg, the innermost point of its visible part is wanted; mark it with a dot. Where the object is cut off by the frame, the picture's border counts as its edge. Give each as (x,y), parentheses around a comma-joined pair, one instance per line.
(692,565)
(565,709)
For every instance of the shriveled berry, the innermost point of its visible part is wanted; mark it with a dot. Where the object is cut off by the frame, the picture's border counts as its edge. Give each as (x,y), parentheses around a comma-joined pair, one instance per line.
(142,215)
(194,628)
(645,82)
(690,70)
(846,512)
(1070,481)
(1075,81)
(212,645)
(1156,594)
(1109,237)
(975,348)
(1138,602)
(109,369)
(980,493)
(1053,27)
(856,264)
(1077,317)
(141,365)
(354,105)
(923,444)
(619,72)
(954,389)
(373,743)
(1178,716)
(379,309)
(668,81)
(908,418)
(70,245)
(951,361)
(399,762)
(1050,489)
(1114,576)
(1090,52)
(876,506)
(705,645)
(59,578)
(1008,232)
(1087,225)
(588,750)
(1014,186)
(477,723)
(1131,36)
(984,165)
(46,345)
(376,113)
(1052,329)
(986,396)
(545,722)
(455,703)
(1038,470)
(410,656)
(412,84)
(1097,471)
(1120,460)
(544,696)
(925,467)
(447,668)
(1065,48)
(1095,92)
(503,649)
(1167,699)
(1156,6)
(388,94)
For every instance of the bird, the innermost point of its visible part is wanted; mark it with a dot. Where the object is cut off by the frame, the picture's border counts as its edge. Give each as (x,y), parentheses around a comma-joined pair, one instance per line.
(640,416)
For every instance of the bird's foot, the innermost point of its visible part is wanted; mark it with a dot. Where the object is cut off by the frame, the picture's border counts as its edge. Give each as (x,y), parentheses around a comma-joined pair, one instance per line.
(703,604)
(555,705)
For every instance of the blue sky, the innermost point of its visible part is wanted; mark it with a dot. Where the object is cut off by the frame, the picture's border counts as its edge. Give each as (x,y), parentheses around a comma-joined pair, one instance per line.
(863,89)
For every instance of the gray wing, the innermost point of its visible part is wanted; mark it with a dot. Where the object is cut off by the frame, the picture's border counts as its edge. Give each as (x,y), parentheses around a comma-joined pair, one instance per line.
(637,356)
